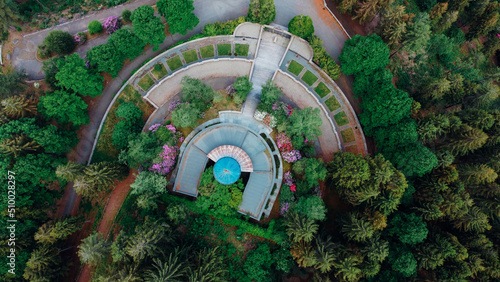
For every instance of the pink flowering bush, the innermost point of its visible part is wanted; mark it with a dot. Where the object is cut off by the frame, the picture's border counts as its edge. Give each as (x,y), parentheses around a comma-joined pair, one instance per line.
(173,105)
(288,178)
(166,160)
(80,38)
(111,24)
(288,154)
(291,156)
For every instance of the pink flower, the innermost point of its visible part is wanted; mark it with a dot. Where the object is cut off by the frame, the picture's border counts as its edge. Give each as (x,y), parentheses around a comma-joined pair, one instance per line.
(292,188)
(111,24)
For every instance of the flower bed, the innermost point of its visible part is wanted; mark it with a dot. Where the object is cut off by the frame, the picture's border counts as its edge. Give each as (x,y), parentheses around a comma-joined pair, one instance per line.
(348,135)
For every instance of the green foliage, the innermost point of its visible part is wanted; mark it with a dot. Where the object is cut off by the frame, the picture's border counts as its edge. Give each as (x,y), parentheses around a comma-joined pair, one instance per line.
(409,228)
(311,207)
(129,111)
(306,121)
(261,11)
(402,260)
(123,132)
(55,230)
(258,262)
(243,86)
(357,228)
(414,160)
(141,150)
(197,93)
(50,69)
(64,108)
(323,59)
(59,42)
(93,249)
(148,28)
(11,83)
(426,5)
(313,170)
(126,14)
(300,228)
(185,115)
(73,75)
(270,93)
(127,43)
(364,55)
(95,27)
(149,182)
(301,26)
(106,58)
(179,15)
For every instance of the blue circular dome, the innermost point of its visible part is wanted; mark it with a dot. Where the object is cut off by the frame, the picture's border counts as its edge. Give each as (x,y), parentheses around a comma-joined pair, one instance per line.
(227,170)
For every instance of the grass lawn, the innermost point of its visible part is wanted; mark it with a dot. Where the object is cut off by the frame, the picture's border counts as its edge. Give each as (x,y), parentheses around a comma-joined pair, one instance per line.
(105,151)
(174,63)
(241,50)
(348,135)
(295,68)
(224,49)
(322,90)
(332,103)
(161,73)
(309,78)
(146,82)
(190,56)
(207,51)
(341,119)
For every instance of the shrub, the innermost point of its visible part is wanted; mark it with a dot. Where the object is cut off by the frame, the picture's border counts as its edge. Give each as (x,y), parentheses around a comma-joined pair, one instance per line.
(129,111)
(185,115)
(59,42)
(126,14)
(261,11)
(43,52)
(311,207)
(157,67)
(122,132)
(301,26)
(80,38)
(95,27)
(323,59)
(111,24)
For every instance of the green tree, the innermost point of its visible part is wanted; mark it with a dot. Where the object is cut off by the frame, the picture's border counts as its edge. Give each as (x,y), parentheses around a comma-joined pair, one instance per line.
(95,27)
(418,34)
(148,28)
(311,207)
(306,121)
(243,86)
(18,145)
(50,69)
(375,249)
(93,249)
(348,170)
(172,269)
(149,182)
(475,220)
(8,16)
(347,6)
(12,83)
(106,58)
(301,26)
(368,9)
(258,262)
(364,55)
(313,170)
(75,76)
(59,42)
(127,43)
(145,242)
(179,15)
(129,111)
(409,228)
(64,108)
(123,132)
(300,228)
(446,21)
(208,266)
(185,115)
(43,265)
(126,14)
(261,11)
(414,160)
(55,230)
(270,93)
(197,93)
(402,260)
(141,150)
(356,228)
(392,137)
(468,140)
(70,171)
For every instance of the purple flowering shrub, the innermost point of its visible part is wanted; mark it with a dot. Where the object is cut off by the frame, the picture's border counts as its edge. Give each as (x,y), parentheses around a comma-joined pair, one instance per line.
(80,38)
(173,105)
(288,153)
(111,24)
(164,163)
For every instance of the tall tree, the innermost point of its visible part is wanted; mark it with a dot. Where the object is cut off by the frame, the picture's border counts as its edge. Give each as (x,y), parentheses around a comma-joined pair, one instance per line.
(300,228)
(106,58)
(261,11)
(18,106)
(356,228)
(148,27)
(409,228)
(306,121)
(12,83)
(179,15)
(127,43)
(364,55)
(74,75)
(64,107)
(172,269)
(8,16)
(93,249)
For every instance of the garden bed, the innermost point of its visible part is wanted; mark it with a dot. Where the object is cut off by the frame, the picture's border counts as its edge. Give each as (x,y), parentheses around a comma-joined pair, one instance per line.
(190,56)
(207,51)
(241,50)
(105,150)
(146,82)
(322,90)
(159,74)
(309,78)
(341,119)
(295,68)
(332,103)
(348,135)
(174,63)
(224,49)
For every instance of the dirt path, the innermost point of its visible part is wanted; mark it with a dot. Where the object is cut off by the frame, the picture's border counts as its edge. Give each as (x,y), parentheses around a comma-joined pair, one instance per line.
(114,204)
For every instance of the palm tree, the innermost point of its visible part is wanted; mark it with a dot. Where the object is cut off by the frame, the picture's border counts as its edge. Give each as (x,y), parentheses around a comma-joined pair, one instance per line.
(17,107)
(325,255)
(347,268)
(300,228)
(208,267)
(475,220)
(171,270)
(303,254)
(8,15)
(18,145)
(145,243)
(356,228)
(93,249)
(375,249)
(70,171)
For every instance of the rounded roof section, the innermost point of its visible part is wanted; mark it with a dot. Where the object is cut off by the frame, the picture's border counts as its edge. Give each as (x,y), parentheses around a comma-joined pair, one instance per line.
(227,170)
(234,152)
